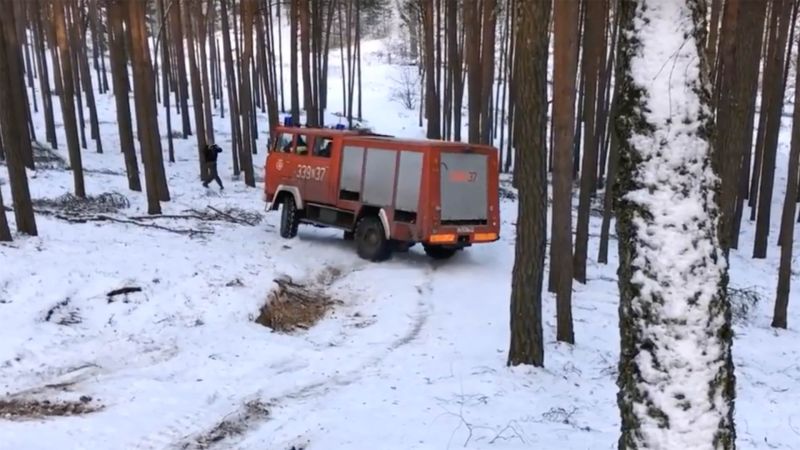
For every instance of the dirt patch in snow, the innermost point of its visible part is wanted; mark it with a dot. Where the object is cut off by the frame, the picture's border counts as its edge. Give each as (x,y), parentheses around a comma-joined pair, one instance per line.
(291,305)
(237,424)
(20,409)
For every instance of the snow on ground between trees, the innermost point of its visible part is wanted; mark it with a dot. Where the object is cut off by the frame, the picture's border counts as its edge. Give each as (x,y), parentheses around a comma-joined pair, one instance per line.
(414,358)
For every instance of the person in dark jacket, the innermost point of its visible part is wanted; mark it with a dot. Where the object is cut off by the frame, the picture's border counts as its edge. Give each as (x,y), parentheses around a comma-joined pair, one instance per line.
(210,155)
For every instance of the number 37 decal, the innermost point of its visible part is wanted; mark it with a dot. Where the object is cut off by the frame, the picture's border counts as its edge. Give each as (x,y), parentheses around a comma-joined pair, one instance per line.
(305,172)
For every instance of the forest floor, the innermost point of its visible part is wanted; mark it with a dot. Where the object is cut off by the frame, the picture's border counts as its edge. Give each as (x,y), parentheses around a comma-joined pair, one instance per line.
(410,353)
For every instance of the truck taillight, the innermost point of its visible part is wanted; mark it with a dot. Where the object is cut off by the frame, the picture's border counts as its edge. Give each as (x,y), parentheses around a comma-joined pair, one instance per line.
(485,237)
(442,238)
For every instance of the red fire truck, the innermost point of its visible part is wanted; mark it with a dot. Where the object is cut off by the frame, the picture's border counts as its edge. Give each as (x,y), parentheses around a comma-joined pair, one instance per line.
(385,193)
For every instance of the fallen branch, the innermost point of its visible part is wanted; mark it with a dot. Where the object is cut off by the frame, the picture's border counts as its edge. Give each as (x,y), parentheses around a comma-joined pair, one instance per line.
(105,218)
(125,290)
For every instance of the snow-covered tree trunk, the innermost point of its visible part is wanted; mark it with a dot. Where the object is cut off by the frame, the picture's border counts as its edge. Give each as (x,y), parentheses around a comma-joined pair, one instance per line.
(676,374)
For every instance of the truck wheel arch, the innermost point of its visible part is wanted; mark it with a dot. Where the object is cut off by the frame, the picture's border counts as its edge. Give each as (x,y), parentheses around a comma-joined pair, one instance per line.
(380,213)
(287,190)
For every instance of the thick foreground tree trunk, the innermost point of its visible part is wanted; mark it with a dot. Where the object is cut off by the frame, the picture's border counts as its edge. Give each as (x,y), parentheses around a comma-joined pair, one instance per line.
(527,346)
(676,376)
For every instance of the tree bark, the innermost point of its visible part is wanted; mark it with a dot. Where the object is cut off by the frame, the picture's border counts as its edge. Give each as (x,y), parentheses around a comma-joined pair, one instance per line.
(675,319)
(13,137)
(432,106)
(775,93)
(197,90)
(67,97)
(120,83)
(565,49)
(781,312)
(246,156)
(527,346)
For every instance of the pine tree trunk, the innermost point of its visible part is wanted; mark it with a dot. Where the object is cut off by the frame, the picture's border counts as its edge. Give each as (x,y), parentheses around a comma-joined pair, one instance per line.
(748,53)
(180,60)
(472,48)
(145,100)
(202,27)
(527,346)
(293,77)
(592,44)
(13,137)
(67,97)
(487,68)
(247,11)
(770,150)
(779,318)
(120,82)
(197,90)
(432,107)
(675,321)
(233,95)
(565,49)
(44,76)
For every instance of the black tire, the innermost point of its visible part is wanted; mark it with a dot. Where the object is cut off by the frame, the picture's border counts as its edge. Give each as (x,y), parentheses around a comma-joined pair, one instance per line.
(349,235)
(371,241)
(439,252)
(290,219)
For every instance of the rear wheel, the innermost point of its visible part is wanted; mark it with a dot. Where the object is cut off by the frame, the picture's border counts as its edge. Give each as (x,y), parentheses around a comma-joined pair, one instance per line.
(371,240)
(290,219)
(439,252)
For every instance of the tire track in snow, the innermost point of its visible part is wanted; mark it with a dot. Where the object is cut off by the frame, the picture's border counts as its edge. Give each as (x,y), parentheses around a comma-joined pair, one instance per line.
(175,435)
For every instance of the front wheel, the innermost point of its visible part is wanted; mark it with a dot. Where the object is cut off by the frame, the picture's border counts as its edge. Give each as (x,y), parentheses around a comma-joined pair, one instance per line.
(439,252)
(290,219)
(371,241)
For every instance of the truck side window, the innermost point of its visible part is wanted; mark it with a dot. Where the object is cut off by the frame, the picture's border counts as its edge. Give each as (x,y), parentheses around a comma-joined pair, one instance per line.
(322,147)
(285,142)
(302,145)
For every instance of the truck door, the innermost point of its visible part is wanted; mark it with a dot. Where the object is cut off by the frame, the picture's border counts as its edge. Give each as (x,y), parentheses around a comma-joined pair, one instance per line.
(314,170)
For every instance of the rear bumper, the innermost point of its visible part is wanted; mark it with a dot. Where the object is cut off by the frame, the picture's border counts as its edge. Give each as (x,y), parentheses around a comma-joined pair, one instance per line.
(462,236)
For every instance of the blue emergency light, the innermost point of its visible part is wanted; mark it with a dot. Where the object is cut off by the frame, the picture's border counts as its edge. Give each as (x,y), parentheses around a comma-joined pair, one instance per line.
(340,126)
(287,121)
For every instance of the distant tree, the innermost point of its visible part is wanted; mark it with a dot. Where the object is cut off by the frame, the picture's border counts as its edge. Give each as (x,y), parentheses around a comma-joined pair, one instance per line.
(527,342)
(432,105)
(676,375)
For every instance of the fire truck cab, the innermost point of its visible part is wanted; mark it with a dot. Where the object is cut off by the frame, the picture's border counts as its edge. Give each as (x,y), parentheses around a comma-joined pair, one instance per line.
(385,193)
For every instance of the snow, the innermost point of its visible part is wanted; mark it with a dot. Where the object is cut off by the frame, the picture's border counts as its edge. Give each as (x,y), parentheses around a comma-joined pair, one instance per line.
(413,358)
(677,266)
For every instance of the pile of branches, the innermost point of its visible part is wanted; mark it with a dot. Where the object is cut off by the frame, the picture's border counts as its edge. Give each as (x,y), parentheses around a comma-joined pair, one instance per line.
(105,208)
(69,206)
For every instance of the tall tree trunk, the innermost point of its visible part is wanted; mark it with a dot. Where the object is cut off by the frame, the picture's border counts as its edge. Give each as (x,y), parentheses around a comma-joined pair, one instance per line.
(779,318)
(147,111)
(675,319)
(233,95)
(748,54)
(67,97)
(593,40)
(487,67)
(197,90)
(472,49)
(86,81)
(180,60)
(44,76)
(432,107)
(201,22)
(165,71)
(293,78)
(774,113)
(248,12)
(13,136)
(565,67)
(527,342)
(119,79)
(5,231)
(312,115)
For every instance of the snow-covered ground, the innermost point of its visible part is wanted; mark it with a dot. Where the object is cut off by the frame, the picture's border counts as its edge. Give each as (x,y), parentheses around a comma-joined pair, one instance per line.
(412,358)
